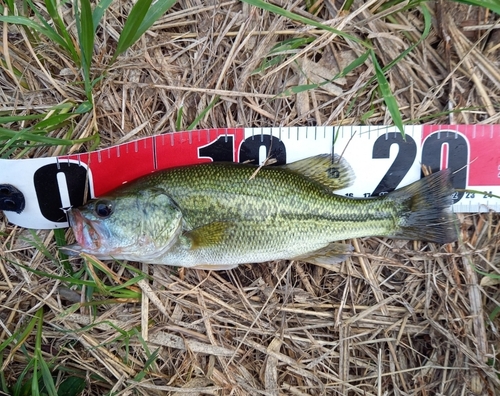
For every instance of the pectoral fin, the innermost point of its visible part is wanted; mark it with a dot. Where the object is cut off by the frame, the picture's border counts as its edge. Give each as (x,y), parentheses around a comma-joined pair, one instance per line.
(334,173)
(331,254)
(207,235)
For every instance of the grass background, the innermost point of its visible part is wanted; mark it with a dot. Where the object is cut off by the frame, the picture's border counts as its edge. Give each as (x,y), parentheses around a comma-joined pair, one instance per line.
(397,318)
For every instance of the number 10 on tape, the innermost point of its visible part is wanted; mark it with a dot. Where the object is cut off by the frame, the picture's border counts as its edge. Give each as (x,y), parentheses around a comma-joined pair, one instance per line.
(381,158)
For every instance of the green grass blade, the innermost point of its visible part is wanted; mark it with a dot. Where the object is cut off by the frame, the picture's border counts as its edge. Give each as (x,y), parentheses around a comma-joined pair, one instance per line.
(291,44)
(121,291)
(298,18)
(60,237)
(268,63)
(409,5)
(40,246)
(3,381)
(35,390)
(128,283)
(99,11)
(72,386)
(493,5)
(427,29)
(347,5)
(151,359)
(492,316)
(10,340)
(20,136)
(178,118)
(21,387)
(389,99)
(425,33)
(354,64)
(51,6)
(276,54)
(384,87)
(350,67)
(85,29)
(203,113)
(155,12)
(47,379)
(19,338)
(7,119)
(69,280)
(365,117)
(87,38)
(53,122)
(59,31)
(17,73)
(10,5)
(131,27)
(86,106)
(50,33)
(298,89)
(29,136)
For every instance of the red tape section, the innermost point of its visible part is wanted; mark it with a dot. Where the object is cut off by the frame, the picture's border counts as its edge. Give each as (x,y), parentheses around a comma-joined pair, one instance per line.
(474,150)
(110,168)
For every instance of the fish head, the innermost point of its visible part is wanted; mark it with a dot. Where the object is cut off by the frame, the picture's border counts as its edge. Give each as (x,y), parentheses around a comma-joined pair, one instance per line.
(129,225)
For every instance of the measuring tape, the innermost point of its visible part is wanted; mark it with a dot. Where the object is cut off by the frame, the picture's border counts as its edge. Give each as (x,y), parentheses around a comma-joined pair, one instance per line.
(35,193)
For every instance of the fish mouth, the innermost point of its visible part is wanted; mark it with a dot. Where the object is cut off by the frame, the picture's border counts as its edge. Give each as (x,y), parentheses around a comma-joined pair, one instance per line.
(86,234)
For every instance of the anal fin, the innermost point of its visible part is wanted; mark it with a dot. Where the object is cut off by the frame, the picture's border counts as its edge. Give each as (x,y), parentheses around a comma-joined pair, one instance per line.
(332,253)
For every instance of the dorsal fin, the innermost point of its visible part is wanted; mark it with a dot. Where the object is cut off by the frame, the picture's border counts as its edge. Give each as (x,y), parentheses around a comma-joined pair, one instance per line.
(335,175)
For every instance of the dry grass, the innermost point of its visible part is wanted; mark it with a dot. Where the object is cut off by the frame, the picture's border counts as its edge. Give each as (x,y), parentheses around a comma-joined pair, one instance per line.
(397,318)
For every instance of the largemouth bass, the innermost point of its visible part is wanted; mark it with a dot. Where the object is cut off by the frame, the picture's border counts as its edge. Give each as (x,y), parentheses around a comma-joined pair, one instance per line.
(219,215)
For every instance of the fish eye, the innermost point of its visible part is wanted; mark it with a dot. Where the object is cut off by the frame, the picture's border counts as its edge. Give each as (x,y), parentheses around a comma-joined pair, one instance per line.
(103,208)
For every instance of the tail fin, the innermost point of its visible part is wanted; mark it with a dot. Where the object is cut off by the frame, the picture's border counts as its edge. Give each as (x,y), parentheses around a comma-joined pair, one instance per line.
(425,209)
